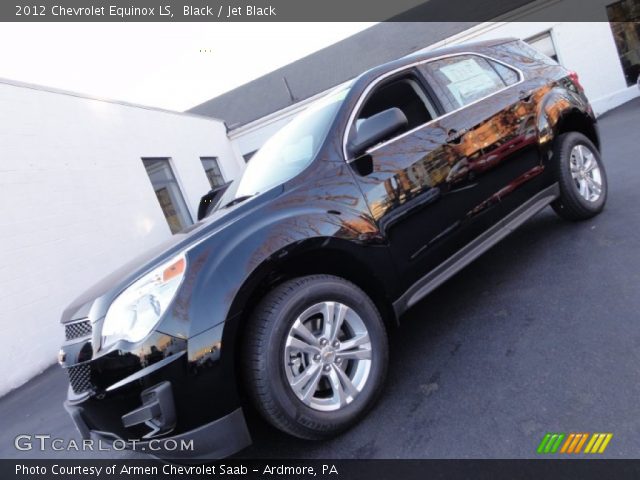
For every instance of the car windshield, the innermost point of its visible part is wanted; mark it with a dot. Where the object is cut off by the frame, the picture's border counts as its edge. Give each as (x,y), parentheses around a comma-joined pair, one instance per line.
(290,150)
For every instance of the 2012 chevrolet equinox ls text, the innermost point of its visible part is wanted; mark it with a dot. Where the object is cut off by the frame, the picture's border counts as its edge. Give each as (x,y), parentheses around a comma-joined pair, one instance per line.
(359,207)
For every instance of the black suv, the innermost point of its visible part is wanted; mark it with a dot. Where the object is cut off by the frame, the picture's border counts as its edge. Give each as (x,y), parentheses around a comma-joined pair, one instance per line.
(358,208)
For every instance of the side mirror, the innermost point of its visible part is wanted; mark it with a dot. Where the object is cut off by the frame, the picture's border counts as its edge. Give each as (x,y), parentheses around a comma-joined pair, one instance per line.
(377,128)
(209,200)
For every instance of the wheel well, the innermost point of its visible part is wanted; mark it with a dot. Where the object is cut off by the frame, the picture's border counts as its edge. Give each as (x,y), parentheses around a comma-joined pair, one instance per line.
(576,121)
(328,262)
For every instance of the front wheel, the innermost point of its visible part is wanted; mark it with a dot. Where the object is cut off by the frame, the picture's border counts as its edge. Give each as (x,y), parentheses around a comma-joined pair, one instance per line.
(581,176)
(316,355)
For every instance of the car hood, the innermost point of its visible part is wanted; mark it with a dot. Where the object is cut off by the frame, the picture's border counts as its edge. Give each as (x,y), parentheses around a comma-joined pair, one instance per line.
(94,302)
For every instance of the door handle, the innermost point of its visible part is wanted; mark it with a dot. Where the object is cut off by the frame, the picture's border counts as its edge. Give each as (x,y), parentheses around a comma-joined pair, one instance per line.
(454,136)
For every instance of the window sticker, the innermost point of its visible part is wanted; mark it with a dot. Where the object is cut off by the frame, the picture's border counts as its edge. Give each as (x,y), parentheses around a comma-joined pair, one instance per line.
(469,80)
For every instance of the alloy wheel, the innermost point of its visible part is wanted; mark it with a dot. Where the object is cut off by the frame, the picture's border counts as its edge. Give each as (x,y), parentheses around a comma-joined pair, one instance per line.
(327,356)
(585,172)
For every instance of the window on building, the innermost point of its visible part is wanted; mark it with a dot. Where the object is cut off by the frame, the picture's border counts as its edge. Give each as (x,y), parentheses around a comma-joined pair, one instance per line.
(169,195)
(212,169)
(544,44)
(624,17)
(247,156)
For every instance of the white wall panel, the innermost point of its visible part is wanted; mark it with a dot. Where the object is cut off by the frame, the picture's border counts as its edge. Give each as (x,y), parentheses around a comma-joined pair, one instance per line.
(76,202)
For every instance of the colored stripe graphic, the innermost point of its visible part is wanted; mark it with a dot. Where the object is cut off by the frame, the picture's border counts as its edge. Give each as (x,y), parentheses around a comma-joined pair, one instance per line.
(581,442)
(556,445)
(551,442)
(598,443)
(573,443)
(543,443)
(552,439)
(591,442)
(568,442)
(605,444)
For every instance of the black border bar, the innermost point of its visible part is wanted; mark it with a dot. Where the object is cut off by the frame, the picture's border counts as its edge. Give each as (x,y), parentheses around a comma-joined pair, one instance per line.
(543,469)
(301,10)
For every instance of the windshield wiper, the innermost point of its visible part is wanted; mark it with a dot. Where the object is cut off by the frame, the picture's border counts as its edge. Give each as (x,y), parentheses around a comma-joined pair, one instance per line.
(238,200)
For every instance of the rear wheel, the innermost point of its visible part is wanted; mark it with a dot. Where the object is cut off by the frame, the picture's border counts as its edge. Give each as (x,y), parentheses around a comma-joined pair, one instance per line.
(316,356)
(581,176)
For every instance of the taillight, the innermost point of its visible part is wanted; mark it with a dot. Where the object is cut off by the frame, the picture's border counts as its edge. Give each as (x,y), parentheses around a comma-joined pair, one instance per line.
(576,80)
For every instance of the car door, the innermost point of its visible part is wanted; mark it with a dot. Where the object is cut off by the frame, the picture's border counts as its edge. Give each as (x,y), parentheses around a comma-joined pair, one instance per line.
(406,179)
(491,124)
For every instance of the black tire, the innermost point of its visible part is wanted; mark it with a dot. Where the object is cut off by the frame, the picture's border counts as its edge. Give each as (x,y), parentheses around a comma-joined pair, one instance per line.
(571,205)
(264,353)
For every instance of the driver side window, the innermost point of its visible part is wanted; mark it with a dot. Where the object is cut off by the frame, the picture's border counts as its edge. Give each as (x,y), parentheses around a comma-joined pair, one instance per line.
(404,93)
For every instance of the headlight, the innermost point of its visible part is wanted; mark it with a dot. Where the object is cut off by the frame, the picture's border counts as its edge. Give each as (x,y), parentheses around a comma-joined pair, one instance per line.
(139,308)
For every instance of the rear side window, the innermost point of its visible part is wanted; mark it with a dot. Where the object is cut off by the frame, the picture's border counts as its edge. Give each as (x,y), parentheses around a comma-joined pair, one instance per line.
(463,79)
(509,75)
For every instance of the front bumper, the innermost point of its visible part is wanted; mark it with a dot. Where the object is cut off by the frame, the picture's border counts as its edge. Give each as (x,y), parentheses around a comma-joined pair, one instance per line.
(163,390)
(218,439)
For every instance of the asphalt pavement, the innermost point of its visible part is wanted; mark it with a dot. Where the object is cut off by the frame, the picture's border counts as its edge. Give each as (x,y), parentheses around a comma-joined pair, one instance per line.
(541,334)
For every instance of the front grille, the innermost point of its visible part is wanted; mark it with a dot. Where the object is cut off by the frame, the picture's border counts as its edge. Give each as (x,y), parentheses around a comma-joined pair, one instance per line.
(80,378)
(77,329)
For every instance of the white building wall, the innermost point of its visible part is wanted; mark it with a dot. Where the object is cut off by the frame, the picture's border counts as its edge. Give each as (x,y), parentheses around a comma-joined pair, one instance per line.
(76,203)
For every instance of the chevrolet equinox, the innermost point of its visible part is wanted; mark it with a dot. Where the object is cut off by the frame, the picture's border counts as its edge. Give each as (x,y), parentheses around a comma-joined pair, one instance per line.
(279,299)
